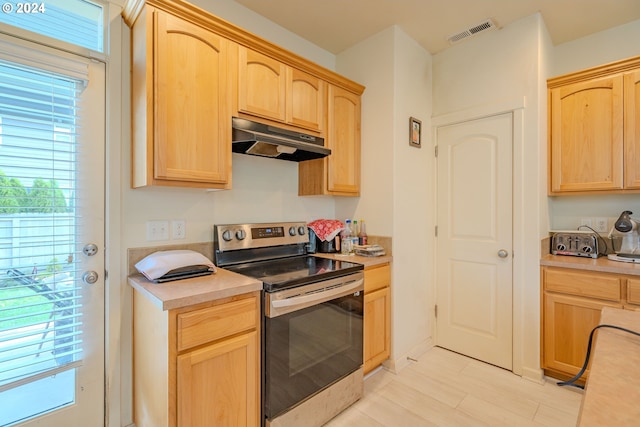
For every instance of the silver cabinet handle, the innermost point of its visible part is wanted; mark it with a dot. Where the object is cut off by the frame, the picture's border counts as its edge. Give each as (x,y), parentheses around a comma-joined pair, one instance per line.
(502,253)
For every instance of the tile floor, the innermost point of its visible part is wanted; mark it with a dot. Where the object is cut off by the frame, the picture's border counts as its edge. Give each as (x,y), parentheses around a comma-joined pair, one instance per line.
(447,389)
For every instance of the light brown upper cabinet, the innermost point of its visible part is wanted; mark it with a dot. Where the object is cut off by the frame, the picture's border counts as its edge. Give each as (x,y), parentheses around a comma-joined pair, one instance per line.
(269,89)
(307,100)
(339,173)
(262,85)
(632,130)
(192,72)
(180,103)
(594,130)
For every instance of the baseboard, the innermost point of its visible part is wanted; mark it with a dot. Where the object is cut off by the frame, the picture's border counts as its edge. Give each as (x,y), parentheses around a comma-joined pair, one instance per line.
(532,374)
(395,365)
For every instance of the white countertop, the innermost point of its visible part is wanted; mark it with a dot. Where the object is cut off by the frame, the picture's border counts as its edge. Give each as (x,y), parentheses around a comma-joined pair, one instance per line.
(602,264)
(222,284)
(612,394)
(185,292)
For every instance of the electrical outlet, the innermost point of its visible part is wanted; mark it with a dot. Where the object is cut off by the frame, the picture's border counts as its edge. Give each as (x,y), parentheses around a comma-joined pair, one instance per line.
(586,221)
(179,228)
(157,230)
(601,225)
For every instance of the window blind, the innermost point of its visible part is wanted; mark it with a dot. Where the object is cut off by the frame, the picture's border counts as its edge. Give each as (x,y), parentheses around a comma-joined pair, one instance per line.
(77,22)
(40,284)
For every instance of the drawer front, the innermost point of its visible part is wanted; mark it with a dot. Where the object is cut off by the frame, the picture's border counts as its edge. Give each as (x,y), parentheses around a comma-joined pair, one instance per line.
(212,323)
(588,284)
(633,291)
(377,278)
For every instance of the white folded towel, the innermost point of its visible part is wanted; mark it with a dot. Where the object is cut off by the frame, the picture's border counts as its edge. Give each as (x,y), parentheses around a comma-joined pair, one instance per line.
(160,263)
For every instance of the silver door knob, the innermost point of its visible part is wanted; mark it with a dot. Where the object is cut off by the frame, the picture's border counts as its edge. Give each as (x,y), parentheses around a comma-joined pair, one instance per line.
(502,253)
(90,249)
(90,277)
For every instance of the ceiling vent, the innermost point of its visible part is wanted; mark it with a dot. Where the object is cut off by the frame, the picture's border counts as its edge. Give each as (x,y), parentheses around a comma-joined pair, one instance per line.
(482,27)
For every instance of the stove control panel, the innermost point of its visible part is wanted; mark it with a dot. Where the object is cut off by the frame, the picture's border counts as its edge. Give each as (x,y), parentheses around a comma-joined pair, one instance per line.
(575,243)
(228,237)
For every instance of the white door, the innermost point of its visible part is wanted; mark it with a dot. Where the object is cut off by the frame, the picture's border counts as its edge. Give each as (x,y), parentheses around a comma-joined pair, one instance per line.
(474,240)
(52,145)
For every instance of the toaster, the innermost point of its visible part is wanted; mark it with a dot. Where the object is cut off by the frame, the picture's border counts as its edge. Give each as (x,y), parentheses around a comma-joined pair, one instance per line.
(575,243)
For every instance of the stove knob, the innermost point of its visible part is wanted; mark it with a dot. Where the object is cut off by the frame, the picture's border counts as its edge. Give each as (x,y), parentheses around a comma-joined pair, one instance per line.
(241,234)
(302,230)
(226,236)
(587,249)
(292,231)
(561,247)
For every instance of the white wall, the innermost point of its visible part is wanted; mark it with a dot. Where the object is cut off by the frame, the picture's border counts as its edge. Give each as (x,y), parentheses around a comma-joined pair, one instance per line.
(494,72)
(369,64)
(600,48)
(397,179)
(263,189)
(566,212)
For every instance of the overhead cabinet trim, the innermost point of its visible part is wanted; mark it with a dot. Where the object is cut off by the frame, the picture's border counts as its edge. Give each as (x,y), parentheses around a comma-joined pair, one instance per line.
(236,34)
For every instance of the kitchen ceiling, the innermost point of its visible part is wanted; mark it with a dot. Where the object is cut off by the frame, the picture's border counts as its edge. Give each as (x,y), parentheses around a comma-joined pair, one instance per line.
(335,25)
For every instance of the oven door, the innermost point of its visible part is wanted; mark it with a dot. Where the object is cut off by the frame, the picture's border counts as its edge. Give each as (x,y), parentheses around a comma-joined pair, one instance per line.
(313,337)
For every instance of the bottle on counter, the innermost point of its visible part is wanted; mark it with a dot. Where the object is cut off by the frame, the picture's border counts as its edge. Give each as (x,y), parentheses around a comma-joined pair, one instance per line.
(346,243)
(362,235)
(355,230)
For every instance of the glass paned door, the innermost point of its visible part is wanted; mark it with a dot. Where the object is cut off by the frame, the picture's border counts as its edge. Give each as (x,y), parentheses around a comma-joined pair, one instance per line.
(52,133)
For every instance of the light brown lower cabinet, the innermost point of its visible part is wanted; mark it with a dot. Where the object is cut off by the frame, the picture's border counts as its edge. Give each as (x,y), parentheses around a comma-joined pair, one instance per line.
(571,304)
(198,365)
(377,315)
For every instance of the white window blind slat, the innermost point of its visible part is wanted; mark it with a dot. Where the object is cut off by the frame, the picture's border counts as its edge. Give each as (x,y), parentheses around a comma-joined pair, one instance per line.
(55,18)
(40,284)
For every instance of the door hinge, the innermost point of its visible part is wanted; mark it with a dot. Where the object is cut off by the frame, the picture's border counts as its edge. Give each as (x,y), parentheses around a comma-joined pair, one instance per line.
(435,310)
(436,231)
(436,150)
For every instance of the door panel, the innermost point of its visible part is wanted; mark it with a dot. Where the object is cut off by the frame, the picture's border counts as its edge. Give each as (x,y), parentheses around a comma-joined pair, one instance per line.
(473,282)
(50,255)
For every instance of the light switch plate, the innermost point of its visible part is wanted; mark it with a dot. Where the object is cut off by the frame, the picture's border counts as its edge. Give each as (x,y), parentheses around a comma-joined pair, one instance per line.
(157,230)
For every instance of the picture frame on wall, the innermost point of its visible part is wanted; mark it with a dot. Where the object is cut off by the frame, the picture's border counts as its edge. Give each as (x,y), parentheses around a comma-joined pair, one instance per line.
(415,132)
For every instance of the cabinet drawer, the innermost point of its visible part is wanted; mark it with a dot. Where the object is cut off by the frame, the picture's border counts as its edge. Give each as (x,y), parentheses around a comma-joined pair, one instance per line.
(633,291)
(212,323)
(377,278)
(595,285)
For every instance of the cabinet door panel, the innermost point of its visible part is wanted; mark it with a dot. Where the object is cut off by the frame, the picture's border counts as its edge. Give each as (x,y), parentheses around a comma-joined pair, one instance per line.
(377,328)
(218,385)
(306,100)
(192,117)
(632,130)
(567,324)
(587,135)
(633,291)
(343,139)
(261,85)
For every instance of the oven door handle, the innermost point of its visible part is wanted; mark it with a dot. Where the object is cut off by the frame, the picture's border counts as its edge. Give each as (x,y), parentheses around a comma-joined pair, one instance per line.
(346,289)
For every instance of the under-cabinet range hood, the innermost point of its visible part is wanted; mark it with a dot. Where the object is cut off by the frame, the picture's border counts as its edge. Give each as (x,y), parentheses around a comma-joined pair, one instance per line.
(258,139)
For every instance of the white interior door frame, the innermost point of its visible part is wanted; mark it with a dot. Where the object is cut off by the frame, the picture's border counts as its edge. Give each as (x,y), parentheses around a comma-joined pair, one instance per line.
(515,106)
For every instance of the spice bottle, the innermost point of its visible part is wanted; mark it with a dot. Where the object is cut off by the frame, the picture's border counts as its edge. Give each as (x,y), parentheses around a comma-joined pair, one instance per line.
(362,236)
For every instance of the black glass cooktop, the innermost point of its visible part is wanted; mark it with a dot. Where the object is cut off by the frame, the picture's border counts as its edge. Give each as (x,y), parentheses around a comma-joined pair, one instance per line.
(278,274)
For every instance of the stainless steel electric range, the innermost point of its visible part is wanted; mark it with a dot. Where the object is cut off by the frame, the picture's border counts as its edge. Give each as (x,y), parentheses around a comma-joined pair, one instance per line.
(312,323)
